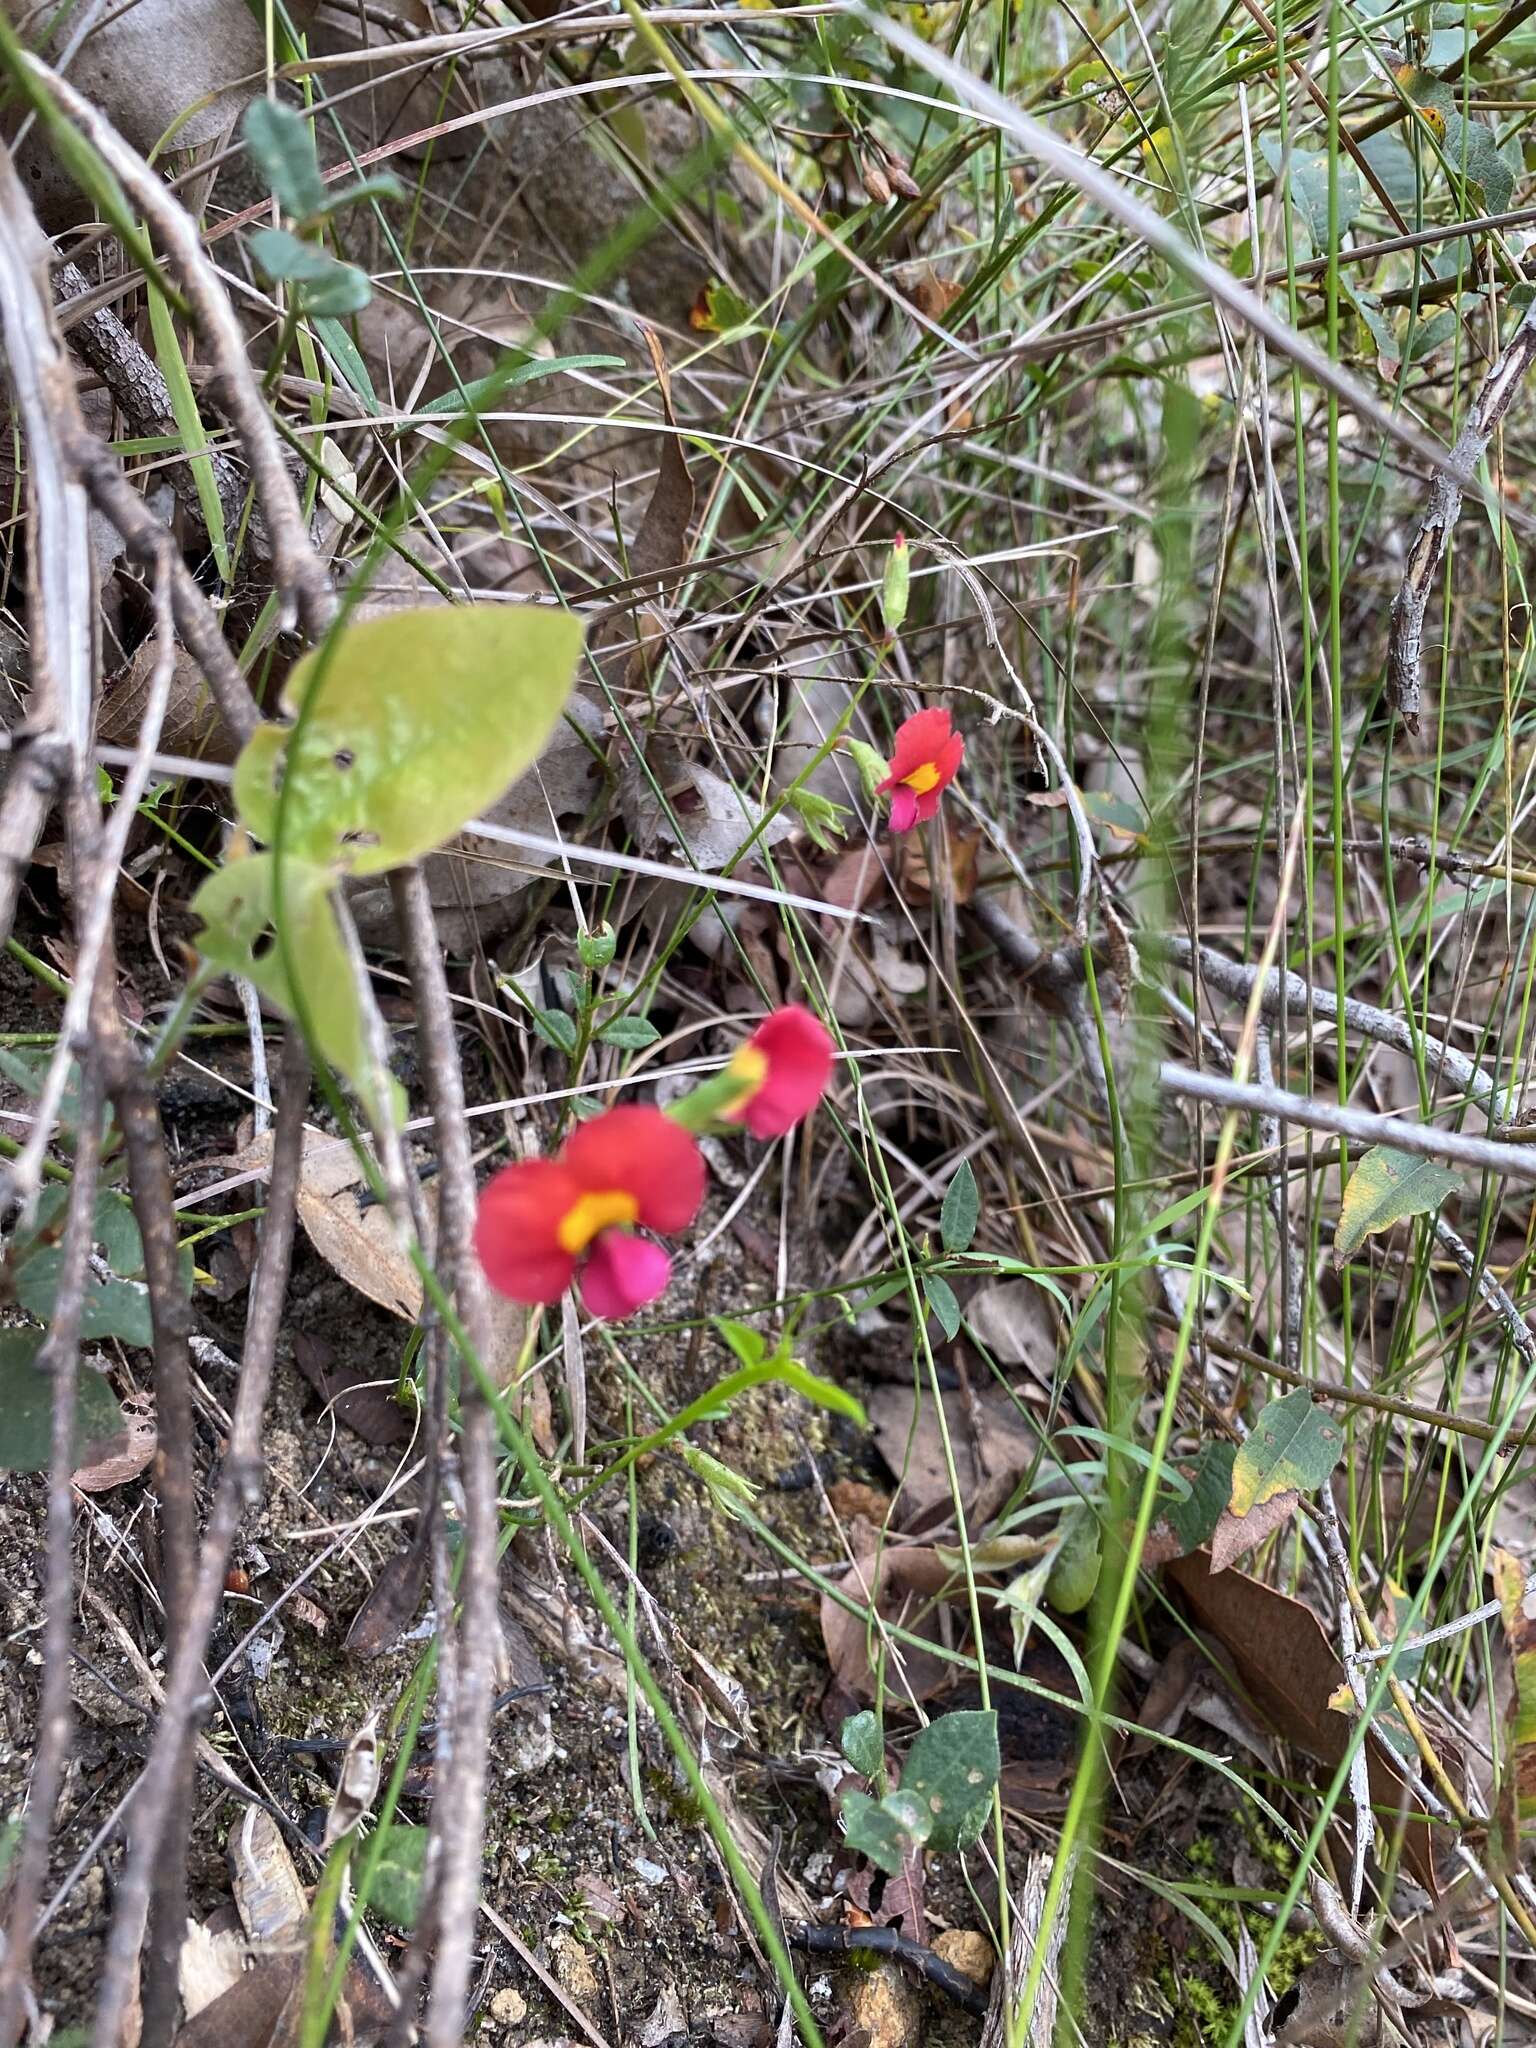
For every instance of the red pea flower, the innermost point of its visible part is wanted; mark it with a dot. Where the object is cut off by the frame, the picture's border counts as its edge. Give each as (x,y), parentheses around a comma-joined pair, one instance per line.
(541,1220)
(923,766)
(783,1068)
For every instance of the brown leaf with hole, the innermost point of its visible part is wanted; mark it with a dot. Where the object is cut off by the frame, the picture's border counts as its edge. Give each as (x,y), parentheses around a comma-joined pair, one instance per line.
(124,1457)
(1235,1535)
(1289,1669)
(905,1583)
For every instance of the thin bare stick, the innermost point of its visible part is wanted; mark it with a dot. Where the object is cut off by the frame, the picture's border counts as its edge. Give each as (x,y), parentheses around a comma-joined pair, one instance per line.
(61,1356)
(1514,1162)
(459,1813)
(149,1176)
(1296,996)
(143,397)
(186,1683)
(297,569)
(1427,549)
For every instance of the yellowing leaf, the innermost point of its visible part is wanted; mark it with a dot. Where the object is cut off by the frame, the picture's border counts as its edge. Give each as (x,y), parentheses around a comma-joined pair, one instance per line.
(1516,1802)
(414,722)
(239,910)
(1386,1186)
(1294,1447)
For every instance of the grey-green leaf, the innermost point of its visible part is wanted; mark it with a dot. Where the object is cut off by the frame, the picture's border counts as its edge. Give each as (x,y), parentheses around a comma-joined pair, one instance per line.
(556,1028)
(952,1768)
(882,1830)
(863,1744)
(395,1894)
(962,1206)
(323,284)
(1385,1187)
(1292,1447)
(26,1407)
(941,1299)
(283,144)
(632,1033)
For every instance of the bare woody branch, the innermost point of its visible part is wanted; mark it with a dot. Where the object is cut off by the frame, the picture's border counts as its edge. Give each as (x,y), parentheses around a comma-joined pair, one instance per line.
(1426,552)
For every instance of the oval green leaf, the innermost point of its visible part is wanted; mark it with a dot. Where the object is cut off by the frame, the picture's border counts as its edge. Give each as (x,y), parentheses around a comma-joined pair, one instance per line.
(1386,1186)
(1293,1448)
(952,1768)
(419,721)
(26,1407)
(962,1206)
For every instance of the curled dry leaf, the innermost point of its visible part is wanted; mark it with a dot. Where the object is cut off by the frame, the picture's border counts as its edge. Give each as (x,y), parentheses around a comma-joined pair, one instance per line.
(1235,1535)
(268,1895)
(357,1784)
(356,1238)
(125,1457)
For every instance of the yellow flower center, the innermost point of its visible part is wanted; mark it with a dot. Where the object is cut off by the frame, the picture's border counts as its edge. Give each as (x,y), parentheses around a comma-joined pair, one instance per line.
(591,1213)
(921,780)
(748,1065)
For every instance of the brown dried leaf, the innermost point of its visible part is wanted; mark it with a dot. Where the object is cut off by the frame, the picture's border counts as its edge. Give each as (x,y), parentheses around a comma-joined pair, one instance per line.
(357,1784)
(363,1400)
(355,1238)
(905,1583)
(124,1457)
(1235,1535)
(1288,1667)
(391,1604)
(992,1445)
(192,723)
(261,2010)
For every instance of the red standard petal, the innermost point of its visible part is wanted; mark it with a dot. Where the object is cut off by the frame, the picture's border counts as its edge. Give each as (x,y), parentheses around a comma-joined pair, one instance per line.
(638,1149)
(516,1230)
(623,1274)
(798,1049)
(920,739)
(947,760)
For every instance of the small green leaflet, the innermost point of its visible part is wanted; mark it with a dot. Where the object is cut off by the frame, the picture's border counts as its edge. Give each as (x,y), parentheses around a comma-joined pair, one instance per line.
(862,1743)
(633,1034)
(1193,1520)
(321,283)
(1386,1186)
(556,1029)
(962,1206)
(283,144)
(885,1830)
(1075,1568)
(1293,1447)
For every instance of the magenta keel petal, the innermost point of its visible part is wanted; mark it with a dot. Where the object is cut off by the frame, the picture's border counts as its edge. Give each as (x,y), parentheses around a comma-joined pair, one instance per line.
(622,1274)
(903,810)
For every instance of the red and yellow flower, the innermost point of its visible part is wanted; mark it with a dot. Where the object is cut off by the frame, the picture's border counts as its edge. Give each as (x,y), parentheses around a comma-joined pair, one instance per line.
(544,1221)
(783,1070)
(924,764)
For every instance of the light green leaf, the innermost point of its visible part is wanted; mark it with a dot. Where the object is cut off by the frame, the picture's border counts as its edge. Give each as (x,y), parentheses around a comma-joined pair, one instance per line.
(822,820)
(321,283)
(1386,1186)
(962,1206)
(282,143)
(1516,1803)
(239,936)
(421,719)
(862,1742)
(952,1769)
(895,586)
(632,1033)
(728,1489)
(395,1894)
(1075,1567)
(189,422)
(940,1297)
(1021,1598)
(1472,151)
(1293,1447)
(26,1407)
